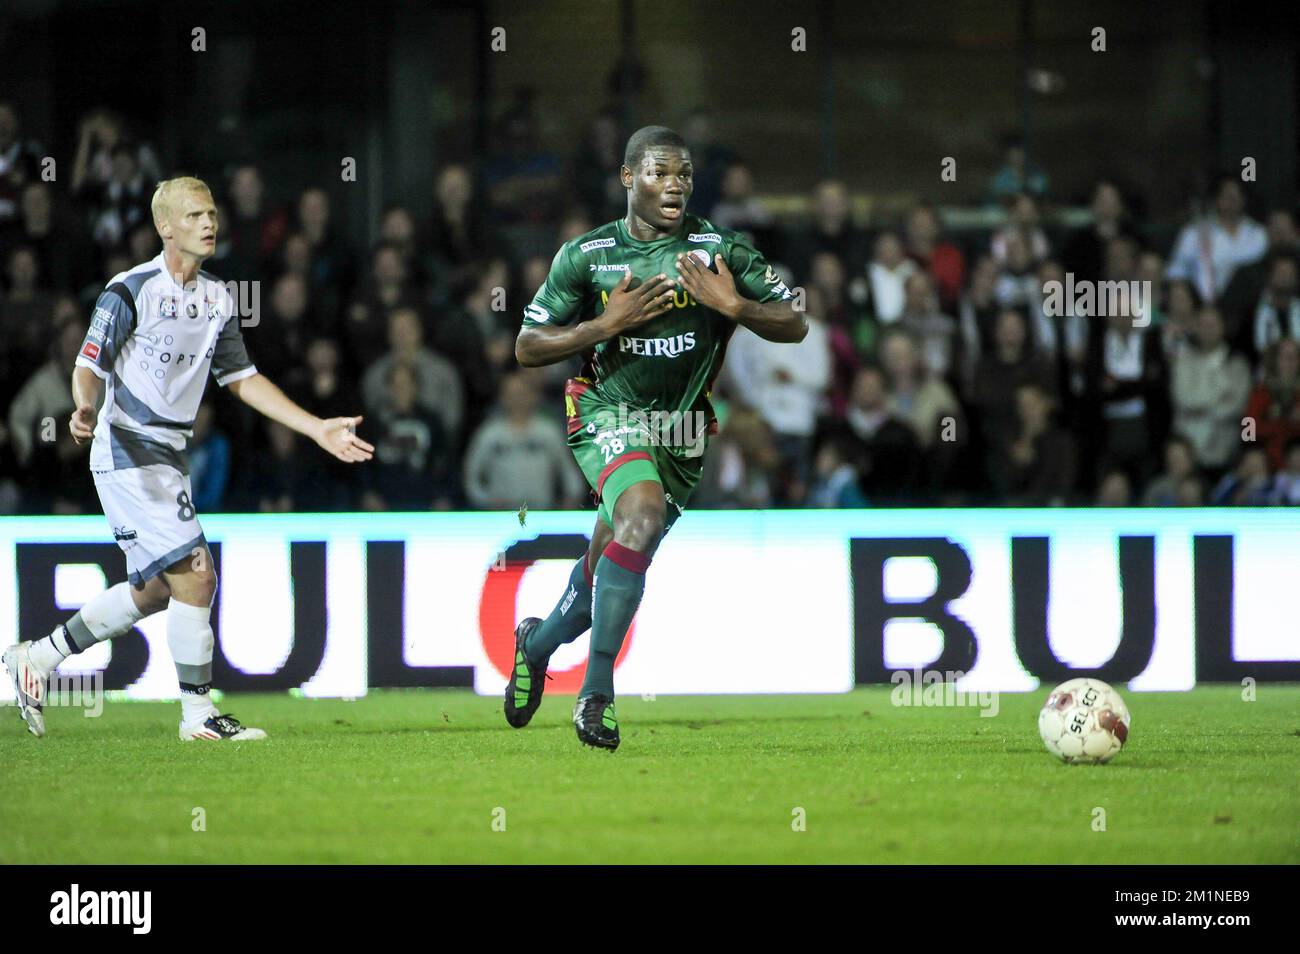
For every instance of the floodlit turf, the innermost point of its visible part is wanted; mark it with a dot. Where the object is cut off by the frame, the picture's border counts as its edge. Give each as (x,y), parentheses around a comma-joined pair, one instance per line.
(420,776)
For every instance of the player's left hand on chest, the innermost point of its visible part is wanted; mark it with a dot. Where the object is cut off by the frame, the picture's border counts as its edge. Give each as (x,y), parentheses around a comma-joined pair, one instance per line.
(712,286)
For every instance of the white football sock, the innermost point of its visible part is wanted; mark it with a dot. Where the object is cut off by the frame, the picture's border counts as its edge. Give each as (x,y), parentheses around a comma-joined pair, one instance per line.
(109,614)
(189,636)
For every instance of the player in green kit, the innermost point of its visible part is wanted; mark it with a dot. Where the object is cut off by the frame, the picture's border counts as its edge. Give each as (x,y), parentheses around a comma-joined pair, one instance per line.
(649,302)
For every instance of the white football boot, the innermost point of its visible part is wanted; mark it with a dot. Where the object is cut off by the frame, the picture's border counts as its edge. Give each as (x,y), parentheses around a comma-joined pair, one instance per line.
(219,728)
(31,685)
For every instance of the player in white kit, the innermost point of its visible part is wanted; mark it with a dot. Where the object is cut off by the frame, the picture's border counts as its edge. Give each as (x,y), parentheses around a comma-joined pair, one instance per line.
(155,332)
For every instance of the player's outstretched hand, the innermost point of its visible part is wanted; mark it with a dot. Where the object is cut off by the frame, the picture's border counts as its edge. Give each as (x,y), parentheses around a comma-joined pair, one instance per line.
(82,423)
(338,435)
(712,289)
(630,306)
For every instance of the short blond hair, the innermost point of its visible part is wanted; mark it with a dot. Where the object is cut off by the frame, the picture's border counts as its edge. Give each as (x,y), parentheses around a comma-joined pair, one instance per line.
(165,195)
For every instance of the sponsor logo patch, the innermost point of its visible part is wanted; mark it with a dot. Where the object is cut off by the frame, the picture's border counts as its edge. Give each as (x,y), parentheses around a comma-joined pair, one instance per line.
(596,243)
(610,268)
(168,308)
(704,237)
(658,347)
(90,350)
(537,313)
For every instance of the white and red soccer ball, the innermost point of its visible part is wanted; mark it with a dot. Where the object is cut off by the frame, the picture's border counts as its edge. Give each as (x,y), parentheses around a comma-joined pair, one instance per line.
(1084,720)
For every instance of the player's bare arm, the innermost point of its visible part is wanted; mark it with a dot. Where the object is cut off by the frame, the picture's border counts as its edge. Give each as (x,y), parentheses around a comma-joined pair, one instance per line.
(775,320)
(336,434)
(87,396)
(629,306)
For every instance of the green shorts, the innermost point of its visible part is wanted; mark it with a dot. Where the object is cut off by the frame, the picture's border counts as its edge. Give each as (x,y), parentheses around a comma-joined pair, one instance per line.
(614,453)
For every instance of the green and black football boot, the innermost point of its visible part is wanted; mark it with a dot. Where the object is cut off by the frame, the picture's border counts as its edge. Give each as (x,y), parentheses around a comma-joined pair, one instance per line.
(594,718)
(524,691)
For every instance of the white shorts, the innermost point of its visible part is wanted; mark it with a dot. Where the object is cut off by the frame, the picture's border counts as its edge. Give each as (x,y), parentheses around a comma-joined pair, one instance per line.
(151,511)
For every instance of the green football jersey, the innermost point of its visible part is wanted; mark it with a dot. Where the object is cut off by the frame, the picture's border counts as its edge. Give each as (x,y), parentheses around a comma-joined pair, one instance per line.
(669,363)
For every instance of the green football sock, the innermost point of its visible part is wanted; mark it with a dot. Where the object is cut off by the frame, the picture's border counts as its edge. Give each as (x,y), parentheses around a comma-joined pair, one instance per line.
(569,620)
(620,581)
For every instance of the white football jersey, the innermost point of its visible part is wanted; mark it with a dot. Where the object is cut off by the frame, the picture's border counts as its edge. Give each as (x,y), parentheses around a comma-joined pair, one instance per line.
(152,341)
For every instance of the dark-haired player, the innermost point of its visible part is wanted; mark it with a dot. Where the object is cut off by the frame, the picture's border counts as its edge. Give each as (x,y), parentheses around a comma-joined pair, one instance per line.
(649,301)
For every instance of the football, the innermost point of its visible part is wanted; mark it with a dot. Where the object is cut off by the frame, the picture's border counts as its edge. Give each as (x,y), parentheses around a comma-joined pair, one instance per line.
(1084,720)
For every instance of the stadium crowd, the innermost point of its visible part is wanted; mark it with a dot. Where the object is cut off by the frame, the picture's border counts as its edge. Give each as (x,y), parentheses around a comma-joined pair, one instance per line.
(933,373)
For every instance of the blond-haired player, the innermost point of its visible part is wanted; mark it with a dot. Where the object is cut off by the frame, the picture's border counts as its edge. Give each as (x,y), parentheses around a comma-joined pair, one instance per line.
(155,332)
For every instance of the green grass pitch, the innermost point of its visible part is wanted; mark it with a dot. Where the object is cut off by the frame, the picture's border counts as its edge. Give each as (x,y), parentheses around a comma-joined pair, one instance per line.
(426,777)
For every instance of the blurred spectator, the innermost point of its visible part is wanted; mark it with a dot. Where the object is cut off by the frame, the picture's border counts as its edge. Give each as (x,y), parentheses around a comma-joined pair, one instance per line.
(835,479)
(25,312)
(1210,249)
(740,466)
(209,452)
(832,231)
(1180,465)
(942,260)
(1085,249)
(387,288)
(54,476)
(1017,174)
(882,448)
(1012,362)
(921,400)
(1274,405)
(331,260)
(520,457)
(1210,387)
(709,157)
(397,228)
(20,162)
(320,386)
(1022,220)
(523,180)
(887,276)
(1246,286)
(412,469)
(1246,485)
(851,335)
(44,402)
(978,314)
(296,259)
(1017,281)
(1286,485)
(1126,382)
(1061,338)
(439,388)
(739,208)
(254,230)
(785,383)
(284,473)
(1039,465)
(99,137)
(278,342)
(1277,315)
(458,235)
(64,257)
(122,202)
(934,331)
(1115,490)
(595,169)
(1177,332)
